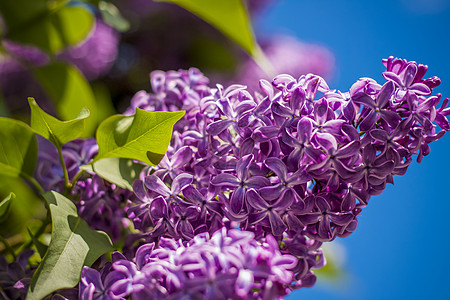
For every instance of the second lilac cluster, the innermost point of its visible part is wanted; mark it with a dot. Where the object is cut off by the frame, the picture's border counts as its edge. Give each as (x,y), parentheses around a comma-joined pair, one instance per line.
(228,265)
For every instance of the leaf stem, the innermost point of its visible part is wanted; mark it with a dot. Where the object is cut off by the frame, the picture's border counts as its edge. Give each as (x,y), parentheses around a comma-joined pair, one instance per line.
(40,230)
(77,176)
(33,182)
(67,184)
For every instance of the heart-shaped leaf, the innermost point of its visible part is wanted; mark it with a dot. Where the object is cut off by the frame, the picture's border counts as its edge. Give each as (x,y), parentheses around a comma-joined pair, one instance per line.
(144,136)
(18,148)
(73,245)
(56,131)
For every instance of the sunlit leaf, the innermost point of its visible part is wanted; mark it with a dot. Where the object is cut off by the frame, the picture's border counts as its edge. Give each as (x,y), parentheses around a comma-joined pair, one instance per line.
(72,246)
(18,148)
(70,91)
(144,136)
(56,131)
(228,16)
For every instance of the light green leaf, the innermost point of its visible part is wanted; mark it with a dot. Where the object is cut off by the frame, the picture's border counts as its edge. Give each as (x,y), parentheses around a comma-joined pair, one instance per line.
(70,91)
(58,132)
(120,171)
(18,148)
(41,247)
(5,205)
(72,246)
(111,15)
(144,136)
(50,27)
(228,16)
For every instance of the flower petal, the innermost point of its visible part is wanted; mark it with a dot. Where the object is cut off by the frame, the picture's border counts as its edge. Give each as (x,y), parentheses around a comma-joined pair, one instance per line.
(277,225)
(237,200)
(180,182)
(218,126)
(226,180)
(255,200)
(277,166)
(155,184)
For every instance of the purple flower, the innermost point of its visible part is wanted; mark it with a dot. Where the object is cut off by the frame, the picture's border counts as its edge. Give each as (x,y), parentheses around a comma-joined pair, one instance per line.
(241,183)
(376,109)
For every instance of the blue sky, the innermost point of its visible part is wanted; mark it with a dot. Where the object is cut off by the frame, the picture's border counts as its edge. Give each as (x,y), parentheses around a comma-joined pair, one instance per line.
(402,245)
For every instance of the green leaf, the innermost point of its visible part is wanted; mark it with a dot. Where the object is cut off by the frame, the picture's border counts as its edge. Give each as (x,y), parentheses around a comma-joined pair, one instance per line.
(111,15)
(16,16)
(5,206)
(58,132)
(70,91)
(41,247)
(18,148)
(228,16)
(49,26)
(72,246)
(120,171)
(104,103)
(144,136)
(26,205)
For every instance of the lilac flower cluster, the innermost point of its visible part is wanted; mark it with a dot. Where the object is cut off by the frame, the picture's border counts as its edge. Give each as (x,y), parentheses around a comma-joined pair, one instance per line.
(229,264)
(99,203)
(291,166)
(298,161)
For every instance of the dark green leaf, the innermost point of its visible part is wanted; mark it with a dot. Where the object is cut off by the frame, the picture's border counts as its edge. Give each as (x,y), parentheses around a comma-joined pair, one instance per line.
(70,91)
(111,15)
(58,132)
(120,171)
(73,245)
(18,148)
(5,205)
(230,17)
(41,248)
(50,28)
(4,112)
(144,136)
(16,16)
